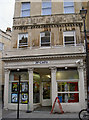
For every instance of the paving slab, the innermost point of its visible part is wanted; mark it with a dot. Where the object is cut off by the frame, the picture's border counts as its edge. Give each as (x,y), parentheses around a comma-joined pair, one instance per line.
(7,114)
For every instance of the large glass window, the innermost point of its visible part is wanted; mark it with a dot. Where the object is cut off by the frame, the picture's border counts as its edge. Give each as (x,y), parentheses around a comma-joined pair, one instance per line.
(25,10)
(46,7)
(68,6)
(24,87)
(69,38)
(67,85)
(45,39)
(22,40)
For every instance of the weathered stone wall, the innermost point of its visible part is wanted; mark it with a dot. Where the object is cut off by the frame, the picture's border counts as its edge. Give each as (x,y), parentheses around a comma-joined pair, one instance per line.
(56,35)
(6,40)
(57,7)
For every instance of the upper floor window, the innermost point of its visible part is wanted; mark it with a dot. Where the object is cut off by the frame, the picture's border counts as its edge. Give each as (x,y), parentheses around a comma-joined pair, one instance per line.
(45,39)
(46,7)
(69,38)
(25,10)
(68,7)
(1,46)
(22,40)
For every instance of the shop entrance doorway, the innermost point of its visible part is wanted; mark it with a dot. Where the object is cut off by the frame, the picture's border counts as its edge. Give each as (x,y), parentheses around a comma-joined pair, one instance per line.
(44,86)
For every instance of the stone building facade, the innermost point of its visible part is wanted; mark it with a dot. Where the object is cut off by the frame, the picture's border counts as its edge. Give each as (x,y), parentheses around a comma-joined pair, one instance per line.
(48,52)
(5,44)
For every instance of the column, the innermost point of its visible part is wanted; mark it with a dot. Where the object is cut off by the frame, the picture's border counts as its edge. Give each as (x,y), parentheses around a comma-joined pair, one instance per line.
(53,84)
(6,88)
(30,71)
(81,87)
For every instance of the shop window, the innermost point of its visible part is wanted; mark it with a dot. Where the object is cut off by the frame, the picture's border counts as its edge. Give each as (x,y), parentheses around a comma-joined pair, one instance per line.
(25,10)
(69,38)
(67,85)
(45,39)
(23,40)
(13,87)
(46,7)
(68,7)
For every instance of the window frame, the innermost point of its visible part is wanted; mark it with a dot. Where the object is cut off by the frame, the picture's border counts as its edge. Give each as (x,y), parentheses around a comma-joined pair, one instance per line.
(19,40)
(68,92)
(73,6)
(49,42)
(25,9)
(69,34)
(46,8)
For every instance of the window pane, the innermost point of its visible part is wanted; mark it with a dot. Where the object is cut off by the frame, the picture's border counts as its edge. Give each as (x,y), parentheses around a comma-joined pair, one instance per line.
(67,74)
(45,39)
(68,97)
(69,10)
(45,45)
(46,11)
(46,4)
(36,88)
(25,13)
(1,46)
(25,9)
(46,7)
(46,90)
(69,38)
(25,6)
(68,4)
(23,39)
(47,33)
(67,86)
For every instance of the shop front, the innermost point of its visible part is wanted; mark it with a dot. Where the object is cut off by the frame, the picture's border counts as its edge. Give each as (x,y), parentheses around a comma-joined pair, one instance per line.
(41,85)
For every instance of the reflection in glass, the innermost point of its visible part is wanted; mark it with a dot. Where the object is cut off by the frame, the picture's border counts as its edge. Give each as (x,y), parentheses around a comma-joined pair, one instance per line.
(67,74)
(69,97)
(67,86)
(46,90)
(36,88)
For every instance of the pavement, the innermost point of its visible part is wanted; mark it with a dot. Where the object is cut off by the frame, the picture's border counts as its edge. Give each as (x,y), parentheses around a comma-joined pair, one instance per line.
(7,114)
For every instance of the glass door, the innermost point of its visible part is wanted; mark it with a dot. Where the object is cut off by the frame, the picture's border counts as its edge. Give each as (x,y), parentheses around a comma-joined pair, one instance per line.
(46,93)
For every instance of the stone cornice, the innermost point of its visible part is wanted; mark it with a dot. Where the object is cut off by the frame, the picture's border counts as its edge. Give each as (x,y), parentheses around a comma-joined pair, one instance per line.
(58,20)
(66,56)
(47,26)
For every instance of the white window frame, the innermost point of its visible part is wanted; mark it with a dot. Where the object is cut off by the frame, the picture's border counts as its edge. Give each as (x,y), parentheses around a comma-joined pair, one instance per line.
(68,92)
(69,7)
(19,40)
(45,8)
(49,42)
(69,34)
(22,10)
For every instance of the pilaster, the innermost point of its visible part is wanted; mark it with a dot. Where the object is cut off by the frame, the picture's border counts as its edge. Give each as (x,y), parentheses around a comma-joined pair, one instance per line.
(30,71)
(81,87)
(53,83)
(6,87)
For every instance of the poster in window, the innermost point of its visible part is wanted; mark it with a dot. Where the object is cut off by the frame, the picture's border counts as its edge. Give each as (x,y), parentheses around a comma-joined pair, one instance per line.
(24,98)
(14,98)
(15,87)
(24,87)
